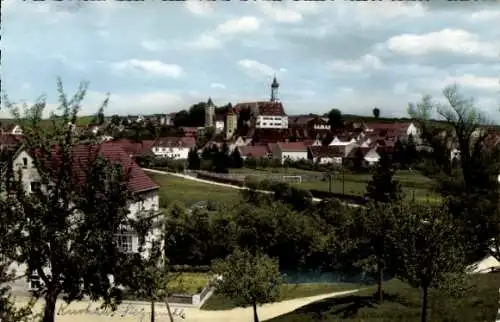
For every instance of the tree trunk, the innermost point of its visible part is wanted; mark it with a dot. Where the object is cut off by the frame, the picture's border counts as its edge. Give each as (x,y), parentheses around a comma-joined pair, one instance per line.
(152,310)
(380,280)
(255,316)
(50,307)
(423,313)
(168,310)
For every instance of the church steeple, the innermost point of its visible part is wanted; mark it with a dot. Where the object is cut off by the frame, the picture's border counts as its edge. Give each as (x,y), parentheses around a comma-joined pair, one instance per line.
(274,90)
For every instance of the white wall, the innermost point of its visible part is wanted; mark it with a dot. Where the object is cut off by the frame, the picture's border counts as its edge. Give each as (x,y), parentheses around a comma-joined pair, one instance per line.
(177,153)
(271,122)
(294,156)
(372,157)
(219,126)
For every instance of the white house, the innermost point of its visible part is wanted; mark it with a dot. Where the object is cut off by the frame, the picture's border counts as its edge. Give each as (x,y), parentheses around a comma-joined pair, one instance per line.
(145,192)
(173,147)
(13,129)
(342,141)
(268,115)
(404,129)
(293,151)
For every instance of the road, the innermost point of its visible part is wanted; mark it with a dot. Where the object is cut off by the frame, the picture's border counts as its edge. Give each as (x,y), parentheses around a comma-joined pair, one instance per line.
(86,311)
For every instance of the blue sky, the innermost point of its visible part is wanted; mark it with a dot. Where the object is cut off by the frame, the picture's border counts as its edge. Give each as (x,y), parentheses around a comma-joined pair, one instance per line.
(156,57)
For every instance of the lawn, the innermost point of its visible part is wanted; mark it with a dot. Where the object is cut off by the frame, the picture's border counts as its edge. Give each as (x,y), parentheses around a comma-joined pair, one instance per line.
(287,292)
(414,184)
(189,192)
(402,303)
(190,283)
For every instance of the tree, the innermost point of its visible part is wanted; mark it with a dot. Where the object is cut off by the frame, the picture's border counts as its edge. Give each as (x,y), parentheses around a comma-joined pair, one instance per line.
(358,160)
(193,160)
(148,276)
(115,120)
(236,159)
(335,119)
(429,250)
(376,112)
(251,279)
(67,227)
(375,251)
(472,192)
(222,161)
(383,188)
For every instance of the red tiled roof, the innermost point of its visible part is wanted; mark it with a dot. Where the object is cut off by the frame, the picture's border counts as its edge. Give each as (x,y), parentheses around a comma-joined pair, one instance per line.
(10,141)
(256,151)
(327,151)
(134,148)
(83,154)
(263,108)
(364,151)
(293,146)
(396,127)
(186,141)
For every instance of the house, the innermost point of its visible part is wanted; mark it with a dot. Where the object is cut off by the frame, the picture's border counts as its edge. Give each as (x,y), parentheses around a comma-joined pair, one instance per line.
(220,120)
(144,190)
(395,129)
(342,140)
(13,129)
(254,151)
(326,154)
(318,123)
(293,151)
(271,115)
(173,147)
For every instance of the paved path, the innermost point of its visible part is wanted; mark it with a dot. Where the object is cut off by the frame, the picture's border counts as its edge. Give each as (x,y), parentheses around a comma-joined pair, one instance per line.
(85,311)
(188,177)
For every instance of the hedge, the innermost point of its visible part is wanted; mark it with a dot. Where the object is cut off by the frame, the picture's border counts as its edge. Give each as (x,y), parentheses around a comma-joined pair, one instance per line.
(321,194)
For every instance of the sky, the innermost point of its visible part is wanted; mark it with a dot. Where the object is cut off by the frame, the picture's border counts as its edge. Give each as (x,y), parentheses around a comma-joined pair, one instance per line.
(161,57)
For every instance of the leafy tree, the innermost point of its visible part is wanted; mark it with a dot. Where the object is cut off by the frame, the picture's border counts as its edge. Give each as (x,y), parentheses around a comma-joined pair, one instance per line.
(236,159)
(411,151)
(251,279)
(376,112)
(148,277)
(358,160)
(193,159)
(399,153)
(429,250)
(383,187)
(472,193)
(375,224)
(335,119)
(115,120)
(222,160)
(66,228)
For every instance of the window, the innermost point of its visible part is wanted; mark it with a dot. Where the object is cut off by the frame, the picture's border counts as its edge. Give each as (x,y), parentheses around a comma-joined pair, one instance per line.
(124,241)
(35,283)
(25,163)
(35,186)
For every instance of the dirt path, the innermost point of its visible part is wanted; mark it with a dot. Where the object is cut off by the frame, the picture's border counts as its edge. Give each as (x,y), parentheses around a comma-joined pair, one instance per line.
(85,311)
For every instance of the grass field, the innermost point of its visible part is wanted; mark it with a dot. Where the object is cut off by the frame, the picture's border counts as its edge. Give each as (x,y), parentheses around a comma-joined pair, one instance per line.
(190,283)
(189,192)
(402,303)
(80,121)
(287,292)
(414,184)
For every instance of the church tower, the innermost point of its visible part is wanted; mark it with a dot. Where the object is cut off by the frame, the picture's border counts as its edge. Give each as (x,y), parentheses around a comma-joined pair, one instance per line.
(209,113)
(274,90)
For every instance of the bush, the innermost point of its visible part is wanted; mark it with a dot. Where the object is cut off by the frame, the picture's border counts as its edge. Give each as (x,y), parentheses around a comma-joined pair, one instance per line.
(321,194)
(219,179)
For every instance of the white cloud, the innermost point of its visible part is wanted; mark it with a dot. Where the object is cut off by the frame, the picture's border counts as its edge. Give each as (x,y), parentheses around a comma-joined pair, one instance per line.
(217,86)
(355,66)
(153,45)
(456,41)
(280,13)
(485,15)
(199,8)
(152,102)
(150,67)
(225,32)
(283,70)
(241,25)
(205,41)
(255,68)
(477,82)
